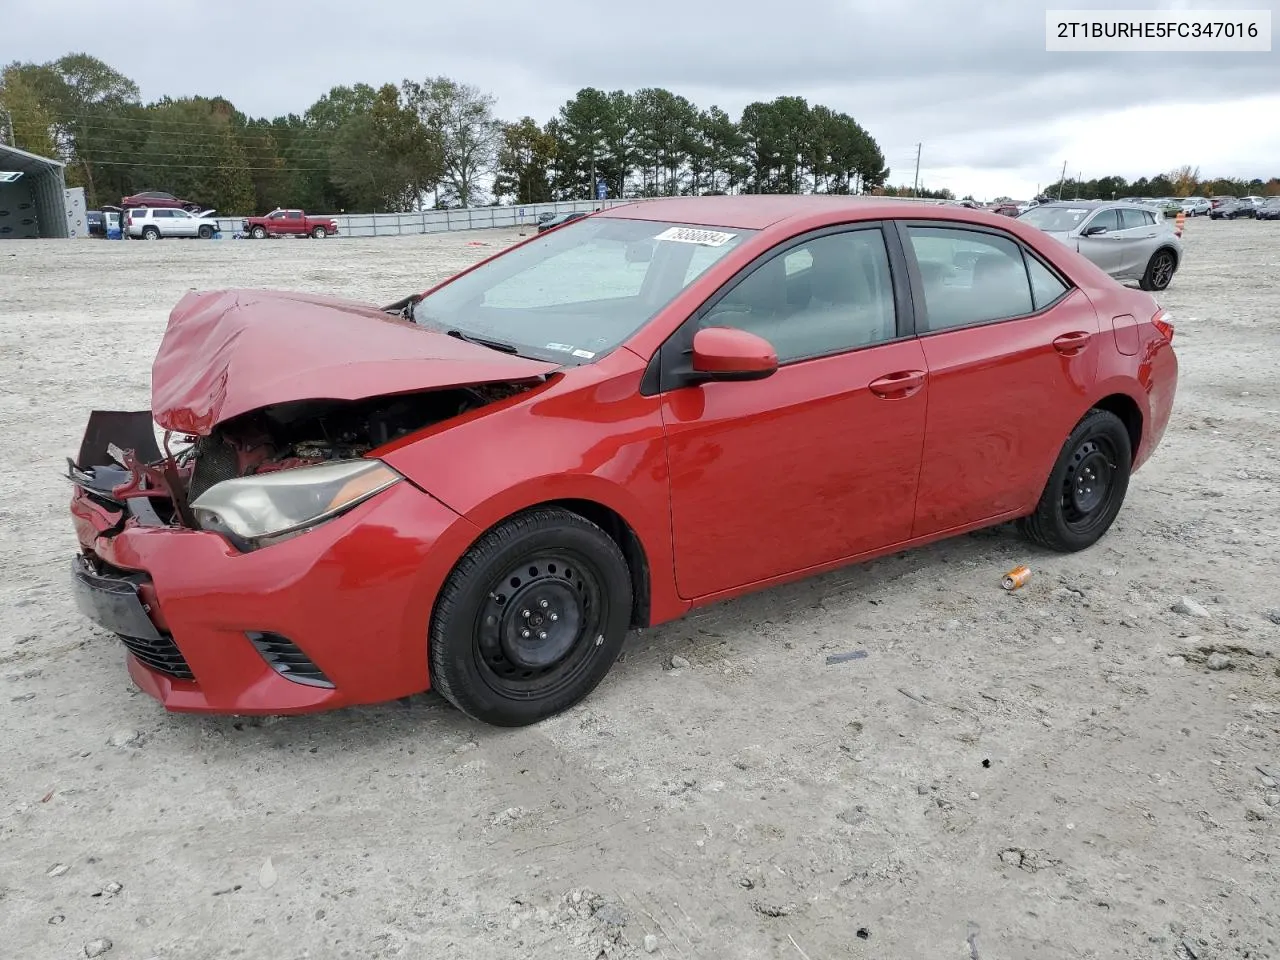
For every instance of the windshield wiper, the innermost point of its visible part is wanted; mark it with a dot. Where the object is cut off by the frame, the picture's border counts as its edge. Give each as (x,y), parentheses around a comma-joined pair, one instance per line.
(482,341)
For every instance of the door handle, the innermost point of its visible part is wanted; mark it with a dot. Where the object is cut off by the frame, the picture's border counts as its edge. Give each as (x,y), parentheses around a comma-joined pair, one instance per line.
(1072,343)
(895,386)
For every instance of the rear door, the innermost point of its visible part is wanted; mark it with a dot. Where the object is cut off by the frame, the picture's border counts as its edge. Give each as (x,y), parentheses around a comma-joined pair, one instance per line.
(1138,241)
(293,223)
(1012,352)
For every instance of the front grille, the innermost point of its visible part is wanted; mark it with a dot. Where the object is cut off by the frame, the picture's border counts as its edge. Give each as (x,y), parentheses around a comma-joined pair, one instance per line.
(216,460)
(288,660)
(160,655)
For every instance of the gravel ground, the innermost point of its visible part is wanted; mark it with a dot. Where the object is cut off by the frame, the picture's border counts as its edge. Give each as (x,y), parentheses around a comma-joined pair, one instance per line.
(1073,770)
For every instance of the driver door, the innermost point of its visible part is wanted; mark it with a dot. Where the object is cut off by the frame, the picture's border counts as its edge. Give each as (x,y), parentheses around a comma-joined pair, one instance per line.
(820,461)
(1105,249)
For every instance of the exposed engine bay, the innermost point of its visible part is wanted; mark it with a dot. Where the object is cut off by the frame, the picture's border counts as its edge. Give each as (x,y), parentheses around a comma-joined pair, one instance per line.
(120,464)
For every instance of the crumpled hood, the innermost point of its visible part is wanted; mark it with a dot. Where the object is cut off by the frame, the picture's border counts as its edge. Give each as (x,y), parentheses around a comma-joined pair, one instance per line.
(227,352)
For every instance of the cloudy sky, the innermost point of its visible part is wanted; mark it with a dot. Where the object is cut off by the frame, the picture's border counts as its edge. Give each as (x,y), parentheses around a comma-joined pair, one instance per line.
(969,79)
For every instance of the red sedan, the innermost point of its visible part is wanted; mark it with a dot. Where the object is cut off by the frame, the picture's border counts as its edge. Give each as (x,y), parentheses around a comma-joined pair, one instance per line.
(479,489)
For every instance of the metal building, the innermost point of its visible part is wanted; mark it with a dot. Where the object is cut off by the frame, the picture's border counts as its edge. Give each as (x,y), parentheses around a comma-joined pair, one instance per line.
(33,196)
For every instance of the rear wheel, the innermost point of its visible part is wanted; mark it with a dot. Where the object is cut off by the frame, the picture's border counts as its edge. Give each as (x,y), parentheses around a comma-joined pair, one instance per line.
(1086,487)
(531,619)
(319,233)
(150,233)
(1159,271)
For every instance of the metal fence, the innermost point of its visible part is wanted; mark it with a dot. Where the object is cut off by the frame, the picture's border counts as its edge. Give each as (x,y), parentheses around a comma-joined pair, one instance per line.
(441,221)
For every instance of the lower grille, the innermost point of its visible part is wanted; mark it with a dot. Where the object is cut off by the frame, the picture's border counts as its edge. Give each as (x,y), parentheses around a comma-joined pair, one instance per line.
(161,655)
(288,660)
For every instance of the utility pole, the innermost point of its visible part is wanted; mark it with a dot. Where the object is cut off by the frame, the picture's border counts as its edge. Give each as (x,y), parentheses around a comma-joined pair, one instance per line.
(1062,178)
(915,186)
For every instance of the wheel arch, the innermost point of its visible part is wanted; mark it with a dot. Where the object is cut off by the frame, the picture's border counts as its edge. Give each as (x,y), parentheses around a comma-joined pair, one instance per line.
(1130,414)
(616,527)
(1177,256)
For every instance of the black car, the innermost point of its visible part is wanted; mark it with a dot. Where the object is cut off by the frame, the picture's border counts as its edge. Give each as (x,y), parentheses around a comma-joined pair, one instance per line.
(560,218)
(1269,209)
(1231,208)
(97,223)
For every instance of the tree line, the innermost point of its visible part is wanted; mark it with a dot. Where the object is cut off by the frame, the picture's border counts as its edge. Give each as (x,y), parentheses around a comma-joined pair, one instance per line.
(1182,182)
(432,143)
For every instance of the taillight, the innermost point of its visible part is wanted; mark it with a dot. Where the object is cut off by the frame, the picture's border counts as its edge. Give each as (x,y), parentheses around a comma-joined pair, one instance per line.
(1164,323)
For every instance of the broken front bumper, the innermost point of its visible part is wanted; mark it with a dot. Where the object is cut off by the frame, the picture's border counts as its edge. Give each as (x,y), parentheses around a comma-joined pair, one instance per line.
(334,617)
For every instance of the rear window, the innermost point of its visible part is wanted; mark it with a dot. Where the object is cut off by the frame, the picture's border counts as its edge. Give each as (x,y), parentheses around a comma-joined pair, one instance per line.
(1055,219)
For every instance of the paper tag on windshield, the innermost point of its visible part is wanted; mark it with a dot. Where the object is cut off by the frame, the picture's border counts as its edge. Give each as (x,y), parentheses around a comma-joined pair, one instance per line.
(706,238)
(583,354)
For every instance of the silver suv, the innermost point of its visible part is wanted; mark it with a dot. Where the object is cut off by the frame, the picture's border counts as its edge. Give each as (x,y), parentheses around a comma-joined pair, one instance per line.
(153,224)
(1131,241)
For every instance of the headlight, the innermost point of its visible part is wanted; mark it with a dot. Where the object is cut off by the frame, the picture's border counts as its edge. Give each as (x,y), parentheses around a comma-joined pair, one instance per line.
(262,509)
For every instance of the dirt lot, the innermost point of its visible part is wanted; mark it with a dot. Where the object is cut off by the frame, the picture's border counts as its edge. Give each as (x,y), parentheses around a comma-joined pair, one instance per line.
(1060,772)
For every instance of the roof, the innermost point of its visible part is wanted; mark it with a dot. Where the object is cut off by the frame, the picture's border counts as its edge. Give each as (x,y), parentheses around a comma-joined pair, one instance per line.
(11,158)
(1097,204)
(758,211)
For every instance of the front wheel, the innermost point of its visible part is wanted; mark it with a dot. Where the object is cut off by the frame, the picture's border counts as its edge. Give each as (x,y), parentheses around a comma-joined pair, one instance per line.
(531,619)
(319,233)
(1086,487)
(258,233)
(206,233)
(1159,272)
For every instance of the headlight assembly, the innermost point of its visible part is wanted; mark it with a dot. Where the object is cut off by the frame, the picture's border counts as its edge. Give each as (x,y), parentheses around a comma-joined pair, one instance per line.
(265,508)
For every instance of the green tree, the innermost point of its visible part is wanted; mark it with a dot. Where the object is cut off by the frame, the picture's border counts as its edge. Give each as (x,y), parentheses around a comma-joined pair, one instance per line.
(525,163)
(460,119)
(383,158)
(192,150)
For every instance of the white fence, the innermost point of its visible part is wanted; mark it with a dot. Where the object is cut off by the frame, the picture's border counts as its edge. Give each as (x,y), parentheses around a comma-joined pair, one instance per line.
(440,221)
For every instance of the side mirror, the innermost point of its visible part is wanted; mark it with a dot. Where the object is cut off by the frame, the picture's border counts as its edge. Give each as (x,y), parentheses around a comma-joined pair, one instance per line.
(1094,231)
(723,353)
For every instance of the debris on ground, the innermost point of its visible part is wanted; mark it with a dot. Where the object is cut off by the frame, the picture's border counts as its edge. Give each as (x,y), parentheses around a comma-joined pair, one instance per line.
(679,663)
(846,657)
(1190,608)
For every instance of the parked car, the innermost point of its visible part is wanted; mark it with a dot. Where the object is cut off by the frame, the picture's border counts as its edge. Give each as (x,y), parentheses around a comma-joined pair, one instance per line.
(155,200)
(1130,241)
(1005,209)
(1231,208)
(479,489)
(1196,206)
(1269,209)
(95,223)
(147,223)
(289,223)
(559,219)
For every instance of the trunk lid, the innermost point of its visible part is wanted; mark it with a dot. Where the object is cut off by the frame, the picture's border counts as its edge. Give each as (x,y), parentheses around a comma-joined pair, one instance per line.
(228,352)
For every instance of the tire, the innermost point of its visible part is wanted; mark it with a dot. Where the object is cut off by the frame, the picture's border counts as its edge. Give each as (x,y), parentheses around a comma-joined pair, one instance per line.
(1071,514)
(319,233)
(545,563)
(206,233)
(258,233)
(1160,270)
(150,233)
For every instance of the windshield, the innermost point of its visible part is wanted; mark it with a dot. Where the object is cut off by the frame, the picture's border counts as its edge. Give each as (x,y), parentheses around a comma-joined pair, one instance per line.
(579,291)
(1056,219)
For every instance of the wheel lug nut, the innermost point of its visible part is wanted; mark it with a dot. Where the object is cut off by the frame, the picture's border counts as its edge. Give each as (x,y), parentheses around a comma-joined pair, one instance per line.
(554,617)
(525,614)
(542,634)
(525,634)
(543,604)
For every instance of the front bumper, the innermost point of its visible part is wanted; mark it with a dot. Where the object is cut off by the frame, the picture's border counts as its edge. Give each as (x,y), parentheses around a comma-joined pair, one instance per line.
(334,617)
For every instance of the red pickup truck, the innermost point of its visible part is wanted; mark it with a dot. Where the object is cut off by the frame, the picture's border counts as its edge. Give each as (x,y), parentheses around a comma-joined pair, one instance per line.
(289,223)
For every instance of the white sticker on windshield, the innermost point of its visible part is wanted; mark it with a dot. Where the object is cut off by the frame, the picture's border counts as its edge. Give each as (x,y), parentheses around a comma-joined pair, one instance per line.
(706,238)
(583,354)
(560,347)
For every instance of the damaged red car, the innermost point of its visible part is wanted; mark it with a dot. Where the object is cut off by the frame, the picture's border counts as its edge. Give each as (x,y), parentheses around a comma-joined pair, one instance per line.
(480,489)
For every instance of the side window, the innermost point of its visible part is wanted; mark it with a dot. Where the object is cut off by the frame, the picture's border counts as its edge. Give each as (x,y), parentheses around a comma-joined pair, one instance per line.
(1148,219)
(1107,218)
(830,294)
(1045,286)
(180,214)
(294,214)
(1133,219)
(275,215)
(969,277)
(162,213)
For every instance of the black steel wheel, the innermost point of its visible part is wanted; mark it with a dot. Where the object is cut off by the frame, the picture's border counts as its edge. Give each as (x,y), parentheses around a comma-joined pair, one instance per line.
(1160,270)
(1086,487)
(531,619)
